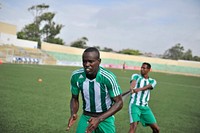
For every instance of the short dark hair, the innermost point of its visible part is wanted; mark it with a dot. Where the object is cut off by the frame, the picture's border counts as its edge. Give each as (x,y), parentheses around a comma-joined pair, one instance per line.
(93,49)
(148,64)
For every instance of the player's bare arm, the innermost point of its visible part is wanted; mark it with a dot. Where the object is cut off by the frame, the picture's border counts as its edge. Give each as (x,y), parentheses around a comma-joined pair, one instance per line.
(74,105)
(132,85)
(143,88)
(94,121)
(131,90)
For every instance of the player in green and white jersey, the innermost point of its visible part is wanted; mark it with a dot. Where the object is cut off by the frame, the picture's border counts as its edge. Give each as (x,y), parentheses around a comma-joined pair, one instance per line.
(101,95)
(139,111)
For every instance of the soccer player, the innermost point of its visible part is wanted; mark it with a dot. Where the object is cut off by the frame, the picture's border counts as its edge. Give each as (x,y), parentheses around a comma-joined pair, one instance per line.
(124,66)
(101,95)
(139,111)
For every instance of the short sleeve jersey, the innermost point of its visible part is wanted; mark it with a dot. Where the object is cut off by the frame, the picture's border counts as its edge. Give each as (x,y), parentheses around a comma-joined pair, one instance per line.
(96,93)
(142,97)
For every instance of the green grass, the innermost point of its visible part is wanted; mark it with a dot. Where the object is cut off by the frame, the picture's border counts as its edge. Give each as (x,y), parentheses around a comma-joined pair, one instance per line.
(32,107)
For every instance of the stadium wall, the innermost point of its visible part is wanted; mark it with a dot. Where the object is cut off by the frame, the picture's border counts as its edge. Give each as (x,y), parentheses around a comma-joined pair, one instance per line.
(70,55)
(8,36)
(8,28)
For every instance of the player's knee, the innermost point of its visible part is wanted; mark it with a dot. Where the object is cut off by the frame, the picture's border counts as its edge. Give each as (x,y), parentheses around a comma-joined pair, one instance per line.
(133,126)
(156,129)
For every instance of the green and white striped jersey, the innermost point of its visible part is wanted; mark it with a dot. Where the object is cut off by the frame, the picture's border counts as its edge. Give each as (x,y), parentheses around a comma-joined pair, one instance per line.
(142,97)
(96,93)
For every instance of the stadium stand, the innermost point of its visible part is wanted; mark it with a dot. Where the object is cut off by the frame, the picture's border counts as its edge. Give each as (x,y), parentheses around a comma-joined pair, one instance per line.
(69,55)
(14,54)
(65,55)
(24,51)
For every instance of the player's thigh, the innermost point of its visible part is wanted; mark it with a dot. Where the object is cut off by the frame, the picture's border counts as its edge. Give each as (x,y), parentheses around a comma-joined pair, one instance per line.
(134,113)
(82,124)
(107,126)
(147,117)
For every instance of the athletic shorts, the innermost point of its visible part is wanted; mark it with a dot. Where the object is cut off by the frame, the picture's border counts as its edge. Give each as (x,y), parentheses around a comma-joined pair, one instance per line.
(106,126)
(141,114)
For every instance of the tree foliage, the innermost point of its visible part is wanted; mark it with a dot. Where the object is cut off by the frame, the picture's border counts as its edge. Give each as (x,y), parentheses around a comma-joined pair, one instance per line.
(30,32)
(196,58)
(37,10)
(43,27)
(177,52)
(105,49)
(50,29)
(130,52)
(187,55)
(80,43)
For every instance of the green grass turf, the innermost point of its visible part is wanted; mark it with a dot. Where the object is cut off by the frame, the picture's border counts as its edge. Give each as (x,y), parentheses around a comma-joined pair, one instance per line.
(32,107)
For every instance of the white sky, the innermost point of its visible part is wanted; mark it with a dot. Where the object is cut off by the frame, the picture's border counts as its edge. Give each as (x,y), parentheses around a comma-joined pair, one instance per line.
(144,25)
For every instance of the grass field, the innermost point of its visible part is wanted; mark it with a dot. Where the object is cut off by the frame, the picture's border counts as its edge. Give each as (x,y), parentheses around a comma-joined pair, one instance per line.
(27,106)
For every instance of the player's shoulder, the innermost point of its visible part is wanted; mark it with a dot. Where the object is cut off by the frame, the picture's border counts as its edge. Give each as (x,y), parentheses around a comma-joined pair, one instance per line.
(152,79)
(136,75)
(78,71)
(106,73)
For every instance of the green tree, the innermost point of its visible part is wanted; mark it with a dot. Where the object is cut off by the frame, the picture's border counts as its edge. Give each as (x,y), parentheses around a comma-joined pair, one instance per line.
(43,27)
(105,49)
(51,29)
(187,55)
(30,32)
(175,53)
(130,52)
(80,43)
(196,58)
(36,11)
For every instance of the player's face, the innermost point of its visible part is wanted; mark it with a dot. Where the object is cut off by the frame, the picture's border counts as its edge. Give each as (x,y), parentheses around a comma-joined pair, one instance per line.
(144,69)
(91,63)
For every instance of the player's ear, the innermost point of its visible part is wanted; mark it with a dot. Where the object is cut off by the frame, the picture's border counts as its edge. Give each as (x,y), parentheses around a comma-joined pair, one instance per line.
(99,60)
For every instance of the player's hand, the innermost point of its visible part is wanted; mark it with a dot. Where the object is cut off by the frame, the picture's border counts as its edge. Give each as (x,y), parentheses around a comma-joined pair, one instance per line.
(136,90)
(132,90)
(71,121)
(93,124)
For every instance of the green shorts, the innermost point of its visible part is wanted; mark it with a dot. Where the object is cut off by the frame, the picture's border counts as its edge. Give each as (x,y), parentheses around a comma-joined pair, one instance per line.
(141,114)
(106,126)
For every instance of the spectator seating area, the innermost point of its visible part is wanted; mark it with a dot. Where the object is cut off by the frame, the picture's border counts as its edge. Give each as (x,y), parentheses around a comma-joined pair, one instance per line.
(25,60)
(14,54)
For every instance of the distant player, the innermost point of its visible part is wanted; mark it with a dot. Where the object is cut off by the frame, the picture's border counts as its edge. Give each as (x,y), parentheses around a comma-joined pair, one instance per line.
(139,111)
(100,93)
(124,66)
